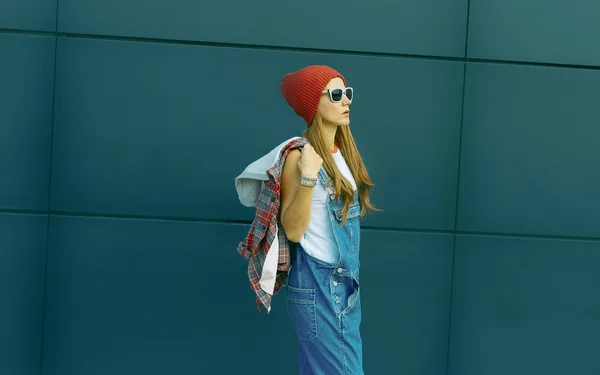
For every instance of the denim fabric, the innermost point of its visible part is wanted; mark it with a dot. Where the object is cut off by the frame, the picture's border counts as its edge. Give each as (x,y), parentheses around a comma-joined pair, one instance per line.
(323,299)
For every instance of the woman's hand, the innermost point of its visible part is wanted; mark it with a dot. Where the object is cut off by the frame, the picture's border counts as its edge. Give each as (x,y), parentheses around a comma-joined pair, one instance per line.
(310,162)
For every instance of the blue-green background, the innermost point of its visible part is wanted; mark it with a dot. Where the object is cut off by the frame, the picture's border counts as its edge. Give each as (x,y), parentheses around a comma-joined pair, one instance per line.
(124,123)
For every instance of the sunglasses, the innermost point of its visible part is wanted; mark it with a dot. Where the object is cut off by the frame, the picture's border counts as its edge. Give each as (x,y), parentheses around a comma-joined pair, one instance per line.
(336,95)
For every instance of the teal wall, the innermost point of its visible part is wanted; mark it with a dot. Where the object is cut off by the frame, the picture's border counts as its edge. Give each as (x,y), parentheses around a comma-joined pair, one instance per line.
(124,123)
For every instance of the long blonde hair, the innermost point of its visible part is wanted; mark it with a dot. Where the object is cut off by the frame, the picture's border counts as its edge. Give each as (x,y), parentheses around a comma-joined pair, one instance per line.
(345,142)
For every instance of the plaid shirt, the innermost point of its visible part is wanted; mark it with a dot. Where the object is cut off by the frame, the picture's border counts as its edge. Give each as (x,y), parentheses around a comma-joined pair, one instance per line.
(265,228)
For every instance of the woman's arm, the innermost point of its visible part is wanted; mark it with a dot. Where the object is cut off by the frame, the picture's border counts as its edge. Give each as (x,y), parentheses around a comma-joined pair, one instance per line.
(296,199)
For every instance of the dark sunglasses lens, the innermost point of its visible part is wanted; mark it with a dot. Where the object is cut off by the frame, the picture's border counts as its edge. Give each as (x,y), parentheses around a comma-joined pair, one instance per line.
(336,95)
(349,93)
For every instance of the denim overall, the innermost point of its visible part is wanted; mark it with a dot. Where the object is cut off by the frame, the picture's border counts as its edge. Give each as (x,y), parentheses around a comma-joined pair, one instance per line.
(323,300)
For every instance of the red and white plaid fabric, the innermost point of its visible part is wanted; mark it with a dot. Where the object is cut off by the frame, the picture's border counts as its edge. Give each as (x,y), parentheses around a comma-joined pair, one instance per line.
(265,229)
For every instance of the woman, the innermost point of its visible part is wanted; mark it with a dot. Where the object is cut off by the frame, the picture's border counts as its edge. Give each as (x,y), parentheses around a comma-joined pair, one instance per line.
(324,192)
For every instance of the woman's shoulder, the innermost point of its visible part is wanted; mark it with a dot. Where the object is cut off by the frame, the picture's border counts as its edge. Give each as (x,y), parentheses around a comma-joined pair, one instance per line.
(292,157)
(294,146)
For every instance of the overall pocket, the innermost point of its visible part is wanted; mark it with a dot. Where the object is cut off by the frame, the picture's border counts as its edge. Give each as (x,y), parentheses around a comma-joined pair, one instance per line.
(353,297)
(302,311)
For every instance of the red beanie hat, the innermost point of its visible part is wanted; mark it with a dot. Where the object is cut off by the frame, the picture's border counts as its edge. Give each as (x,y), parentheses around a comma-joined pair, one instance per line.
(303,89)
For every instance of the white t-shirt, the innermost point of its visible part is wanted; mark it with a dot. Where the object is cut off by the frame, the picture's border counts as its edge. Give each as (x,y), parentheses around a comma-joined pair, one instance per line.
(318,240)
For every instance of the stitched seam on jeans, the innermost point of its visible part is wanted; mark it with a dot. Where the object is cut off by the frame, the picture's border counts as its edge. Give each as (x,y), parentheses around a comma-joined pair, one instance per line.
(341,336)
